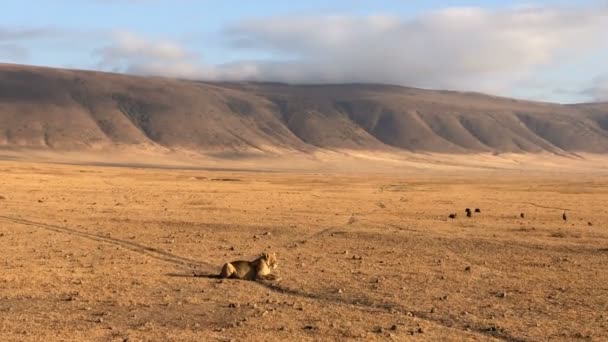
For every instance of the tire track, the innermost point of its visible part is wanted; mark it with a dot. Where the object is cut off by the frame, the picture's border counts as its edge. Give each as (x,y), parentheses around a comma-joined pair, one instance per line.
(132,246)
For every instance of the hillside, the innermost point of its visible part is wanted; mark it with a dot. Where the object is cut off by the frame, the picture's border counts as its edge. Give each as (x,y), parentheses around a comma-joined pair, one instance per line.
(54,109)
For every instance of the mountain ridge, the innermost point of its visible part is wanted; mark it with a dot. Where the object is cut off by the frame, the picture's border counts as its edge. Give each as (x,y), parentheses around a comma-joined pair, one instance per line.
(59,109)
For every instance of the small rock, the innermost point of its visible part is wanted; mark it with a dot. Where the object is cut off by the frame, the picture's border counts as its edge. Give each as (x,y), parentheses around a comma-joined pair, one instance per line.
(234,305)
(100,320)
(340,291)
(420,330)
(468,268)
(502,294)
(378,330)
(589,224)
(394,327)
(432,310)
(309,327)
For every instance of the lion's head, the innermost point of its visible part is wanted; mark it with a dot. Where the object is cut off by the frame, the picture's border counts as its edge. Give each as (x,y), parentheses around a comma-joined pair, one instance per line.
(271,259)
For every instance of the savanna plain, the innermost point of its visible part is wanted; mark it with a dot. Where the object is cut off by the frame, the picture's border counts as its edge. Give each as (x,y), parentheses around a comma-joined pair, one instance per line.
(129,254)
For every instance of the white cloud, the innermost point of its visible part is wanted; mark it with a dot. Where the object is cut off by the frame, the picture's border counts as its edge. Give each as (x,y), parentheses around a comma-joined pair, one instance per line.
(462,48)
(130,52)
(599,88)
(21,34)
(495,51)
(13,53)
(12,42)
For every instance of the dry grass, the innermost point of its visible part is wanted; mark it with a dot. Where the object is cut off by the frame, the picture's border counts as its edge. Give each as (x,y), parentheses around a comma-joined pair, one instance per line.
(108,253)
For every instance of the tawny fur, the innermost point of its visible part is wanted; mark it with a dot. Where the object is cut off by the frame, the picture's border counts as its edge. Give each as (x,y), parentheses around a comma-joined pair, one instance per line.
(250,270)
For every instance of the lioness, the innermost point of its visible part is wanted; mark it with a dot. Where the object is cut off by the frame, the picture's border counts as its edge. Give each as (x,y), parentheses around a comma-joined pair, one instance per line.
(250,270)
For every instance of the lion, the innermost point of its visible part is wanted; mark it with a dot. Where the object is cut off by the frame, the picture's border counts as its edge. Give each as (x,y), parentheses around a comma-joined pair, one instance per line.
(251,270)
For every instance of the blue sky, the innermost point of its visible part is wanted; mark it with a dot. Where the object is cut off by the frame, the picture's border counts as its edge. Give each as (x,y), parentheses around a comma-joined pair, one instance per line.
(543,50)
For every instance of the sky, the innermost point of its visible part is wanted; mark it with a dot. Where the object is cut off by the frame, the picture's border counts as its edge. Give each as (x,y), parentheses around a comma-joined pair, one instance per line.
(541,50)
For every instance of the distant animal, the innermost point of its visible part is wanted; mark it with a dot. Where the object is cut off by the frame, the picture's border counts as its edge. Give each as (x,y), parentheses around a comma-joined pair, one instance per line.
(477,210)
(564,216)
(522,215)
(468,211)
(452,216)
(259,268)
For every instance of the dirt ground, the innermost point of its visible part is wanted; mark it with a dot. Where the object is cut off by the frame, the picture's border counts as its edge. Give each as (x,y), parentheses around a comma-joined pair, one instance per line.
(100,253)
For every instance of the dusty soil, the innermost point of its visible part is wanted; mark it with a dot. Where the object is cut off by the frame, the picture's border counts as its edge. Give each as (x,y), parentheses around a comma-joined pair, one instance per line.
(94,253)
